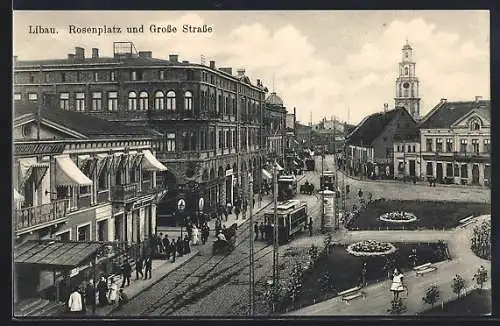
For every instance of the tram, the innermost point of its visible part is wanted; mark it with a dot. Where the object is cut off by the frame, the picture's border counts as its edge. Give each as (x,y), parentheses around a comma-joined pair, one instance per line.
(292,218)
(287,187)
(327,180)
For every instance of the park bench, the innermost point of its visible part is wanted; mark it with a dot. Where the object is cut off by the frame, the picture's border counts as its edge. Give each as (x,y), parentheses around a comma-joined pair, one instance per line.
(425,268)
(351,294)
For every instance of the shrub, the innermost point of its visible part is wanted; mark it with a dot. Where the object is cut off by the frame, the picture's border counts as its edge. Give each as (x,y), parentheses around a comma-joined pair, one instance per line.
(481,240)
(481,276)
(458,285)
(431,295)
(313,254)
(295,283)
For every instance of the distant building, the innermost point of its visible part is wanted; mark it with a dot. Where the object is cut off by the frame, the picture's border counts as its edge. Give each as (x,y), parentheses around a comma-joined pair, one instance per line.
(407,84)
(303,135)
(455,142)
(369,147)
(274,129)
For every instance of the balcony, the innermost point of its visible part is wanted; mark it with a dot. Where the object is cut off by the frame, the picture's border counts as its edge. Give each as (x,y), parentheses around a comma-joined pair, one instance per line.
(123,193)
(31,218)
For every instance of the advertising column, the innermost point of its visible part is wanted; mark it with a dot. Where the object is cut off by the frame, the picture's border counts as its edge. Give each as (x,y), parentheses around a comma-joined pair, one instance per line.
(329,210)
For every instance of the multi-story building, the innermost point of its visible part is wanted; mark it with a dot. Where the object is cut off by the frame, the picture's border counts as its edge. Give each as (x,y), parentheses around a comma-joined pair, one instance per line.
(407,156)
(82,178)
(369,147)
(303,135)
(329,135)
(275,128)
(455,142)
(209,119)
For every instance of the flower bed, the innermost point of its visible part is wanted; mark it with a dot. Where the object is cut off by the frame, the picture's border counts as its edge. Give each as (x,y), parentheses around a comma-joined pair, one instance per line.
(398,217)
(371,248)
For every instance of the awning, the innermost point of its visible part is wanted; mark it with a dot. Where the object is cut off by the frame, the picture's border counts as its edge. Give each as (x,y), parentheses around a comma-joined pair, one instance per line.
(68,174)
(26,169)
(102,162)
(278,167)
(56,254)
(117,158)
(266,174)
(137,160)
(39,171)
(18,197)
(150,163)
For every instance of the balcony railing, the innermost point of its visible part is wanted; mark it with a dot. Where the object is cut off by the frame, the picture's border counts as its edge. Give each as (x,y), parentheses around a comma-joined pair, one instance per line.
(30,217)
(123,193)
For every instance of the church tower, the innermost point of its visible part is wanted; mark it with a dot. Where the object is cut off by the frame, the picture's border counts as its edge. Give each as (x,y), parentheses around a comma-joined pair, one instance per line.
(407,93)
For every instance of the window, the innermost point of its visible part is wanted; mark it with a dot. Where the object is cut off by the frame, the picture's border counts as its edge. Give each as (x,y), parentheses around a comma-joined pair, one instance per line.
(399,148)
(212,138)
(46,77)
(159,100)
(486,148)
(113,101)
(406,71)
(112,76)
(84,233)
(63,77)
(428,144)
(439,145)
(171,101)
(32,79)
(64,101)
(475,146)
(103,180)
(449,145)
(449,169)
(385,139)
(475,125)
(456,170)
(193,141)
(226,108)
(162,74)
(220,106)
(234,139)
(413,149)
(17,97)
(132,101)
(228,139)
(463,145)
(143,101)
(96,76)
(185,141)
(78,76)
(388,152)
(221,139)
(188,101)
(463,171)
(203,138)
(429,169)
(96,101)
(133,75)
(80,102)
(171,142)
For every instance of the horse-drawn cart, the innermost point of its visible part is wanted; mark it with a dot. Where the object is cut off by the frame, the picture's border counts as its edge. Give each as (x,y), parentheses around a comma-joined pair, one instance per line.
(221,246)
(307,188)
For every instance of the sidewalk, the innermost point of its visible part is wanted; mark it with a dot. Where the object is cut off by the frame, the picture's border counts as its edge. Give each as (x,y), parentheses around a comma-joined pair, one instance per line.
(160,269)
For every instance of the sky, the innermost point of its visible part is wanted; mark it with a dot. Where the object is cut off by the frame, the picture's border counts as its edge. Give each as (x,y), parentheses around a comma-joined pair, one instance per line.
(340,64)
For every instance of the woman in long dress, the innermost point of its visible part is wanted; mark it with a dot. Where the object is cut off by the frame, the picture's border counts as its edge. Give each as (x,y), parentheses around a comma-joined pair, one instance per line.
(397,285)
(113,292)
(196,235)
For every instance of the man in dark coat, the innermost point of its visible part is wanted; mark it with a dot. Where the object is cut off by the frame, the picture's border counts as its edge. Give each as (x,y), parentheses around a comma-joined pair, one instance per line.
(148,267)
(310,226)
(102,290)
(138,268)
(173,249)
(166,245)
(256,230)
(180,245)
(187,248)
(90,294)
(262,231)
(126,273)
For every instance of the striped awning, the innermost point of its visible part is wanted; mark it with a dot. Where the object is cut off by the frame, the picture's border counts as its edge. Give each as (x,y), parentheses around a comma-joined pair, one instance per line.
(150,163)
(68,174)
(266,174)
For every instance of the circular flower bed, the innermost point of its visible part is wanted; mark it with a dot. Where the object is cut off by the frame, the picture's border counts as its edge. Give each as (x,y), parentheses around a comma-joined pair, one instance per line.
(398,217)
(370,248)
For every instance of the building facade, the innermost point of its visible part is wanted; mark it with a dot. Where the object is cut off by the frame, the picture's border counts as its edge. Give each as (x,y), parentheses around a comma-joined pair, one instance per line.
(275,128)
(407,84)
(303,135)
(455,142)
(210,121)
(73,180)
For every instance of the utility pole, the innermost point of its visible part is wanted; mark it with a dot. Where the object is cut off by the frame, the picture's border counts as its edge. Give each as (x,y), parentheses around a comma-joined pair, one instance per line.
(252,267)
(275,229)
(322,194)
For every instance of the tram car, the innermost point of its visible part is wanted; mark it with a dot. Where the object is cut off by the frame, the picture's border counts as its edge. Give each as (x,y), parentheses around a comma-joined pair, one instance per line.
(327,180)
(310,163)
(292,218)
(287,187)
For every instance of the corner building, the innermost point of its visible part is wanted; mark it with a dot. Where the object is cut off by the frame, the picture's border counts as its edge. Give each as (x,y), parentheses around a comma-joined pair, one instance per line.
(210,120)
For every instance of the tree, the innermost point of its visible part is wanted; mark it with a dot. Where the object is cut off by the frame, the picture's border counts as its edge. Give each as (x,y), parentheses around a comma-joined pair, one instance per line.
(481,276)
(295,284)
(481,240)
(458,285)
(431,295)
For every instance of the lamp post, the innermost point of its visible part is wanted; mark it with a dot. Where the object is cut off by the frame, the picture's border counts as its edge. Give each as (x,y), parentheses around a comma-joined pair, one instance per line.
(275,228)
(252,268)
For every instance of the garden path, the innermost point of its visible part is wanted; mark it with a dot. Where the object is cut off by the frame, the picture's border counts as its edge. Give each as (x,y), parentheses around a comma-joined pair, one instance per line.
(378,297)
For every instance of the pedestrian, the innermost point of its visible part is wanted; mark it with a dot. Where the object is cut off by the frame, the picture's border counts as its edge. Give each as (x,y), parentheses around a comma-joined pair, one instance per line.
(256,230)
(262,231)
(237,211)
(138,267)
(75,304)
(173,249)
(102,292)
(113,292)
(190,231)
(166,246)
(224,211)
(126,273)
(229,207)
(187,248)
(364,270)
(90,293)
(360,193)
(253,203)
(83,294)
(161,247)
(180,245)
(310,226)
(148,264)
(397,285)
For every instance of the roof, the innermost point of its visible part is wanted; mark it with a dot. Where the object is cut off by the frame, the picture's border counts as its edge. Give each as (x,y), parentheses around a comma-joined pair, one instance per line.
(443,115)
(371,127)
(55,254)
(84,124)
(139,61)
(274,99)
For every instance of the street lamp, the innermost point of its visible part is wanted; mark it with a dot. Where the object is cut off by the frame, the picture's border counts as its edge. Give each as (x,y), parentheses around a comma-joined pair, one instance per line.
(251,256)
(275,228)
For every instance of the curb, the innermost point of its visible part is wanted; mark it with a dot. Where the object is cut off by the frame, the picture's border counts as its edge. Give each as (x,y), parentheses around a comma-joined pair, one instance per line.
(155,282)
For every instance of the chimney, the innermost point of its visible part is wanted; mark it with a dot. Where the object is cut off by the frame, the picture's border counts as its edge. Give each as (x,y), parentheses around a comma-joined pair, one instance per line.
(71,56)
(240,72)
(258,82)
(95,53)
(478,98)
(443,100)
(146,54)
(212,64)
(386,107)
(79,53)
(227,70)
(173,58)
